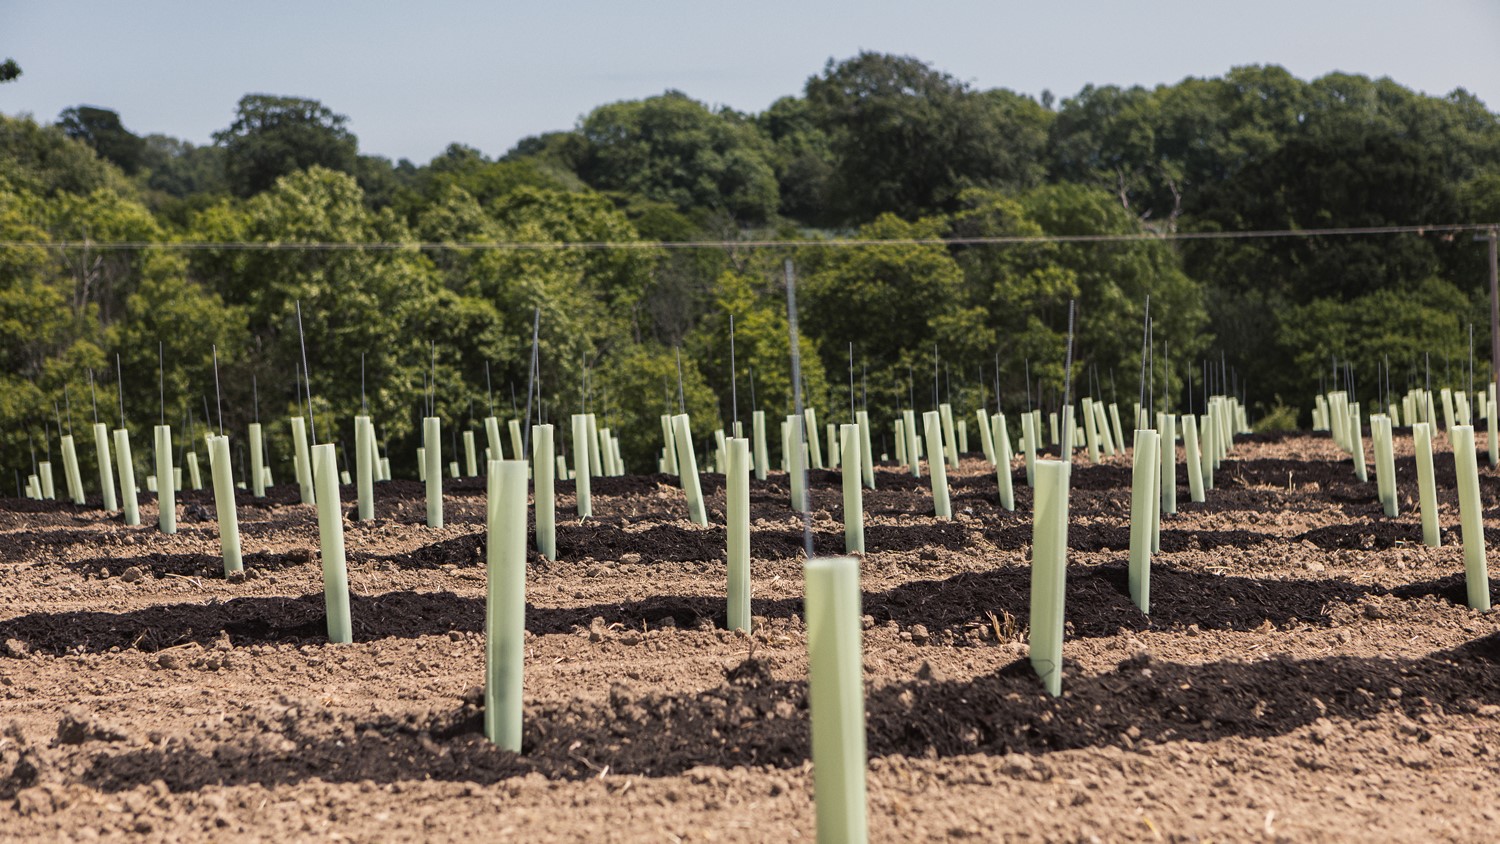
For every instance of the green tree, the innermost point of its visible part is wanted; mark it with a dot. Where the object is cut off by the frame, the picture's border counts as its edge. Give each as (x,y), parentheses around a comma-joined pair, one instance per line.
(887,299)
(43,343)
(675,149)
(587,298)
(762,352)
(907,139)
(1112,280)
(170,313)
(1020,291)
(274,136)
(642,385)
(43,161)
(181,169)
(1400,327)
(803,159)
(100,277)
(9,71)
(372,305)
(101,129)
(467,168)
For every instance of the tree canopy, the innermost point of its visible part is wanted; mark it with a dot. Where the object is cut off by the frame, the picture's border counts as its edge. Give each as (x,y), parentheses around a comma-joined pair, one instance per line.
(938,193)
(275,136)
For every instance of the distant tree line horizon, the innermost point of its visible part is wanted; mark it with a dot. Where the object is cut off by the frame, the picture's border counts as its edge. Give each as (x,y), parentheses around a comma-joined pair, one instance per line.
(875,147)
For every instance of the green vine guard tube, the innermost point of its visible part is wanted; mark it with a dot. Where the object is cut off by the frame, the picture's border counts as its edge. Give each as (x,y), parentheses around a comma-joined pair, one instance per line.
(1114,421)
(224,505)
(166,497)
(836,698)
(1028,447)
(1489,434)
(1156,493)
(49,489)
(70,469)
(669,452)
(505,600)
(129,497)
(255,467)
(854,512)
(432,457)
(1385,463)
(950,442)
(1141,510)
(737,533)
(1090,430)
(581,450)
(517,448)
(762,451)
(687,462)
(364,466)
(1101,423)
(866,453)
(721,451)
(986,435)
(544,461)
(1192,457)
(596,463)
(1049,549)
(1206,447)
(933,423)
(792,450)
(1226,432)
(1357,444)
(471,459)
(607,452)
(492,437)
(786,444)
(106,467)
(1471,518)
(1167,445)
(810,433)
(303,462)
(1001,438)
(331,543)
(913,457)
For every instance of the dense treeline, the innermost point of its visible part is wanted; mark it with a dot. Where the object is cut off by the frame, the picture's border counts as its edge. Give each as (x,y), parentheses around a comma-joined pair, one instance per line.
(876,147)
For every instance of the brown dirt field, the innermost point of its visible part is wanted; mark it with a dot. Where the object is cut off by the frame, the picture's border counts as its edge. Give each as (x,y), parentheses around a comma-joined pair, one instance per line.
(1308,673)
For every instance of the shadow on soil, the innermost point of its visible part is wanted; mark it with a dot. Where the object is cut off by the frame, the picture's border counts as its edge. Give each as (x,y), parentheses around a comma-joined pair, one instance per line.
(752,719)
(1099,605)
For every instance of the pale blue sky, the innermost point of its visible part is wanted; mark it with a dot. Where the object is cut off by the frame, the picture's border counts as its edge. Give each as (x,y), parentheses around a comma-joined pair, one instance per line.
(413,77)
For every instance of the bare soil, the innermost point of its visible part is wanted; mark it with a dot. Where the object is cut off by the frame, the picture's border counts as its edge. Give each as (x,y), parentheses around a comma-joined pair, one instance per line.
(1309,671)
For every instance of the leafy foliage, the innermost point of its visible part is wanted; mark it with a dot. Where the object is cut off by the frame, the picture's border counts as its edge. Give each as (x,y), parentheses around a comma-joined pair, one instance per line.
(100,128)
(907,139)
(275,136)
(674,149)
(923,171)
